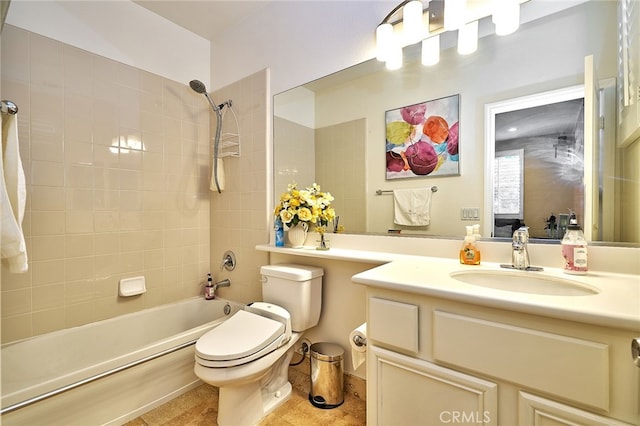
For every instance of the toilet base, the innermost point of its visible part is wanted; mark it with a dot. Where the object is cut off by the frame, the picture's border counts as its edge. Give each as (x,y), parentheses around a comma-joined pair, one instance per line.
(276,399)
(247,404)
(249,392)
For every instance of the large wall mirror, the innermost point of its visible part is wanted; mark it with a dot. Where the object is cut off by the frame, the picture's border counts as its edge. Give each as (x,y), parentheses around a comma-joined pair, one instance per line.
(332,130)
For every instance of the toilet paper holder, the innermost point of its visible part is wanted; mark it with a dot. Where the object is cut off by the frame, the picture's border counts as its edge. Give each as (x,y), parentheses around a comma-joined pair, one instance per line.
(359,341)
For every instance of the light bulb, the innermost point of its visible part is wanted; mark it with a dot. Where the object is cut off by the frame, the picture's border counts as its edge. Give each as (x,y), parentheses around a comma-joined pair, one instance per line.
(454,14)
(394,60)
(384,41)
(412,28)
(506,16)
(431,50)
(468,38)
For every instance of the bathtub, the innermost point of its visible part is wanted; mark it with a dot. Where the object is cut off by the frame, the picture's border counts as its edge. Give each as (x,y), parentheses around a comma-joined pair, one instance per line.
(105,351)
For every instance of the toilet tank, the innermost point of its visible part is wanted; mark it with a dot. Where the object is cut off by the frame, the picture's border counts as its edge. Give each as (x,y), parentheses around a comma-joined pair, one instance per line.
(297,288)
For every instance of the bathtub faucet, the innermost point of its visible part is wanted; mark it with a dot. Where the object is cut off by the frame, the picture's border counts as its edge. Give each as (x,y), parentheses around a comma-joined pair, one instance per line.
(223,283)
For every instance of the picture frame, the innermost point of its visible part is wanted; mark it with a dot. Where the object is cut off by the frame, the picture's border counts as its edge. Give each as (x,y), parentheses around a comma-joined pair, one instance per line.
(422,140)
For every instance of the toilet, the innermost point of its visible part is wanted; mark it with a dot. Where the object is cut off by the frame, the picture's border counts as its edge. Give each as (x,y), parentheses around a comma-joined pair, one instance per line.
(247,356)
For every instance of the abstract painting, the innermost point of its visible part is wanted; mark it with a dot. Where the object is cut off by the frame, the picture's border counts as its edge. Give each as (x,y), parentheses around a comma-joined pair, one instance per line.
(422,139)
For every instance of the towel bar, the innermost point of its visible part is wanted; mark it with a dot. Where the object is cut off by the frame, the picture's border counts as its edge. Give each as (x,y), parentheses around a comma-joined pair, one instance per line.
(390,191)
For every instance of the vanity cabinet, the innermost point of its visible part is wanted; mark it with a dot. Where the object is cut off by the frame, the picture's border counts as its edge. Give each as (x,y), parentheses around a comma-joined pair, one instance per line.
(436,361)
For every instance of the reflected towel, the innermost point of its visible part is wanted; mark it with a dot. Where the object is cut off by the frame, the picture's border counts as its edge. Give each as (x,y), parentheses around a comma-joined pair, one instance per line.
(412,207)
(212,185)
(13,197)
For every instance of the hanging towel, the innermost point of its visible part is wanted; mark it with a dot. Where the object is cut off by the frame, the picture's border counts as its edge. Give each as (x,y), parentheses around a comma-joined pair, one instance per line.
(412,207)
(13,196)
(212,185)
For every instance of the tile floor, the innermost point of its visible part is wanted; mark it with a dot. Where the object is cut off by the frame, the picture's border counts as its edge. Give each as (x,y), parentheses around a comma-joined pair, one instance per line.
(198,407)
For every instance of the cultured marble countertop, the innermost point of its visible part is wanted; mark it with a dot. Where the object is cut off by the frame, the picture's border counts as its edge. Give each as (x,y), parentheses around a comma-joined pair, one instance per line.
(616,304)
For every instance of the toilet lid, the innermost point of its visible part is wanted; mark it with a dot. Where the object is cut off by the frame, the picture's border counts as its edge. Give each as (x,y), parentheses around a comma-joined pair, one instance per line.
(238,337)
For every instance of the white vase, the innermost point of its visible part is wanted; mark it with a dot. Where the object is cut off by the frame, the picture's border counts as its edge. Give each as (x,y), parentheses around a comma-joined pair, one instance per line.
(298,234)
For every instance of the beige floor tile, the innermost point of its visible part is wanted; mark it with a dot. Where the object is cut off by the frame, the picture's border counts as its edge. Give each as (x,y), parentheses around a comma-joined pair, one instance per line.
(198,407)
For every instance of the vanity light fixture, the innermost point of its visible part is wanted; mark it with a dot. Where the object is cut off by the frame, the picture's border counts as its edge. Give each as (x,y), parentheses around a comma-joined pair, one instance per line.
(424,21)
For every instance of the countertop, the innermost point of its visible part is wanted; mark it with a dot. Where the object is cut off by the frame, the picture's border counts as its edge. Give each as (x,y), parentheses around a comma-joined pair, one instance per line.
(616,304)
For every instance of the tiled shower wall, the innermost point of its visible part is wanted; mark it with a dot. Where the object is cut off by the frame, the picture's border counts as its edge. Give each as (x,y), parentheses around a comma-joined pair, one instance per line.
(340,169)
(239,215)
(117,167)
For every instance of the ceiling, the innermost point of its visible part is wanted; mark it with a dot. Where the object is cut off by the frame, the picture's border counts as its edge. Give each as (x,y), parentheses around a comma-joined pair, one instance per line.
(560,118)
(207,18)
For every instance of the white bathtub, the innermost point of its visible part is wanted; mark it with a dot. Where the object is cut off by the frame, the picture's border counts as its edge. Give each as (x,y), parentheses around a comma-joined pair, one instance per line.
(43,364)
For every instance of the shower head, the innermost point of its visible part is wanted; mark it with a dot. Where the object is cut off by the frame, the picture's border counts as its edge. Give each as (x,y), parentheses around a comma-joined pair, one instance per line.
(198,86)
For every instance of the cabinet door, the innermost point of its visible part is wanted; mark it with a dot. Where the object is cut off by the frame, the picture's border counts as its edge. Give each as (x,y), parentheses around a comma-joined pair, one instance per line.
(537,411)
(408,391)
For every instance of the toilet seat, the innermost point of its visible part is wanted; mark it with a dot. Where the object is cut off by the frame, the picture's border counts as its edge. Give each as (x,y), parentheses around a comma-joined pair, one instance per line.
(242,338)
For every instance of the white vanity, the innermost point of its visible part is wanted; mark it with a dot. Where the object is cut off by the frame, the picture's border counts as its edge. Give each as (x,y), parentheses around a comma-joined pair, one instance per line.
(445,351)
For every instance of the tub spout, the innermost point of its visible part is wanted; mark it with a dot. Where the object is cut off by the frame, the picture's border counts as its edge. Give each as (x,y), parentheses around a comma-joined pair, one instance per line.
(223,283)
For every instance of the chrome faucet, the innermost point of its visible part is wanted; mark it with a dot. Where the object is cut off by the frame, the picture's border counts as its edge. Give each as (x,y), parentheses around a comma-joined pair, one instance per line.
(520,253)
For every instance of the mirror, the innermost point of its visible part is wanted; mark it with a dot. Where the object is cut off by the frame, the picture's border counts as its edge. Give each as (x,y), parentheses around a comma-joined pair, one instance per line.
(536,163)
(332,131)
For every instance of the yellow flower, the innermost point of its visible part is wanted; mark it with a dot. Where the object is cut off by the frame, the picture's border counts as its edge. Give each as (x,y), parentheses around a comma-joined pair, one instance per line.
(305,205)
(305,195)
(286,216)
(330,213)
(304,214)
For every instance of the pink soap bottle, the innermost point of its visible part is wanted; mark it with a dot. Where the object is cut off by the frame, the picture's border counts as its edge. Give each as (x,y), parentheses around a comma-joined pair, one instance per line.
(574,248)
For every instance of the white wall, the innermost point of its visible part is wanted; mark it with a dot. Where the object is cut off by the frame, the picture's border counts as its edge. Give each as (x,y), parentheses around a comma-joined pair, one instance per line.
(119,30)
(299,41)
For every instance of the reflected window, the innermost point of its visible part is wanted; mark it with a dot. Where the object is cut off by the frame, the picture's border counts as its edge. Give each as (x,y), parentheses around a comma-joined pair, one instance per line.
(508,185)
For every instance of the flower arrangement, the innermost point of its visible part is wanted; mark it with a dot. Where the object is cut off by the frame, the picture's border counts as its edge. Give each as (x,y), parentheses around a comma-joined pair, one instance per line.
(308,205)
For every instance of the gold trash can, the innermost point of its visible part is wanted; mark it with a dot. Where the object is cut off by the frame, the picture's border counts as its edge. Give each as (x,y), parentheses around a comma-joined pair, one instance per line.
(327,375)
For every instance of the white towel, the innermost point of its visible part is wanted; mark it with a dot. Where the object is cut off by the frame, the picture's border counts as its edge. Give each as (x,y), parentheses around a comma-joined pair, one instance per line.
(13,197)
(212,185)
(412,207)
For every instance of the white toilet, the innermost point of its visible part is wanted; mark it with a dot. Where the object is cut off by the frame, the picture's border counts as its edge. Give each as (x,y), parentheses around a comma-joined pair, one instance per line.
(247,356)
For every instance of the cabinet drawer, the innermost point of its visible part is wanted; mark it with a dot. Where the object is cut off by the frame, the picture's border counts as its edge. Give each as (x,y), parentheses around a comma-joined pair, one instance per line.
(574,369)
(536,411)
(393,323)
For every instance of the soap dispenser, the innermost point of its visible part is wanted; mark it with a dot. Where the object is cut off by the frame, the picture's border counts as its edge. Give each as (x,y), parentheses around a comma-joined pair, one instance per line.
(574,248)
(209,289)
(469,253)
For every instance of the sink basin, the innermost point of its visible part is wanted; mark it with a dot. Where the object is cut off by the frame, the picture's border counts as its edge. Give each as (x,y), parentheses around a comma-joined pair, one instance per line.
(525,282)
